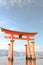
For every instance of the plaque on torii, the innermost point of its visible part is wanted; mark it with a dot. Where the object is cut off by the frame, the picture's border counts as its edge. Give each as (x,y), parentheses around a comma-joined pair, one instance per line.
(16,35)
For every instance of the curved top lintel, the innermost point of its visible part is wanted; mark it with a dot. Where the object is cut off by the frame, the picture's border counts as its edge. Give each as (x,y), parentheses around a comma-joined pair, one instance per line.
(18,33)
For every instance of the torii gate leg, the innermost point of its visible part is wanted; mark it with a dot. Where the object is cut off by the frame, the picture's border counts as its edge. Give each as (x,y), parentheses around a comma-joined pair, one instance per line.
(33,51)
(9,57)
(28,62)
(10,62)
(27,47)
(33,62)
(10,53)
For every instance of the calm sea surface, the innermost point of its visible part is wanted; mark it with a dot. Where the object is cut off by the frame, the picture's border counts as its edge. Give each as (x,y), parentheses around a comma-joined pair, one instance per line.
(20,60)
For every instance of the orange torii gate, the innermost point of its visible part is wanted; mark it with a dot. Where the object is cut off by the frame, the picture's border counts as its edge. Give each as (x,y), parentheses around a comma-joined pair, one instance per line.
(30,54)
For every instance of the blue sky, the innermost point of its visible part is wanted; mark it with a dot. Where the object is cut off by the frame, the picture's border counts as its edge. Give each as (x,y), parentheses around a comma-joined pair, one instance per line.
(22,15)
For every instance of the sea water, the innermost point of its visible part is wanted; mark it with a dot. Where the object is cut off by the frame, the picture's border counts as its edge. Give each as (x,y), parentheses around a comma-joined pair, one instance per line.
(20,60)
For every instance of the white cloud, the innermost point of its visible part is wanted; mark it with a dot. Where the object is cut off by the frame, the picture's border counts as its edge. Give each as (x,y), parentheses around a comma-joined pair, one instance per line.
(13,2)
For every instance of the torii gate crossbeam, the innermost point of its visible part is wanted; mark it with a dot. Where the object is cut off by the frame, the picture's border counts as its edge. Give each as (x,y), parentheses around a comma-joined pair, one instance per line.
(18,33)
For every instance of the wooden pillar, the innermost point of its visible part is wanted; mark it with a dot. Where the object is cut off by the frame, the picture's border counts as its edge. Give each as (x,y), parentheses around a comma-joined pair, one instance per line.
(10,62)
(26,50)
(10,53)
(27,47)
(28,62)
(33,51)
(33,62)
(9,56)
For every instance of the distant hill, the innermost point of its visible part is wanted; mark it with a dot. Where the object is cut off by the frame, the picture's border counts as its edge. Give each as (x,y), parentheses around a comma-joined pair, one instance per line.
(5,53)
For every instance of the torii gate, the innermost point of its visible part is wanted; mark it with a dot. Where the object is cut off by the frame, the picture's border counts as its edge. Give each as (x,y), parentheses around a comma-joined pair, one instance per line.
(30,54)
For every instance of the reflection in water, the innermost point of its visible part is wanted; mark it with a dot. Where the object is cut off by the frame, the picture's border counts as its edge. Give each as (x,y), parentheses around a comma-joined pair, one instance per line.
(30,62)
(10,62)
